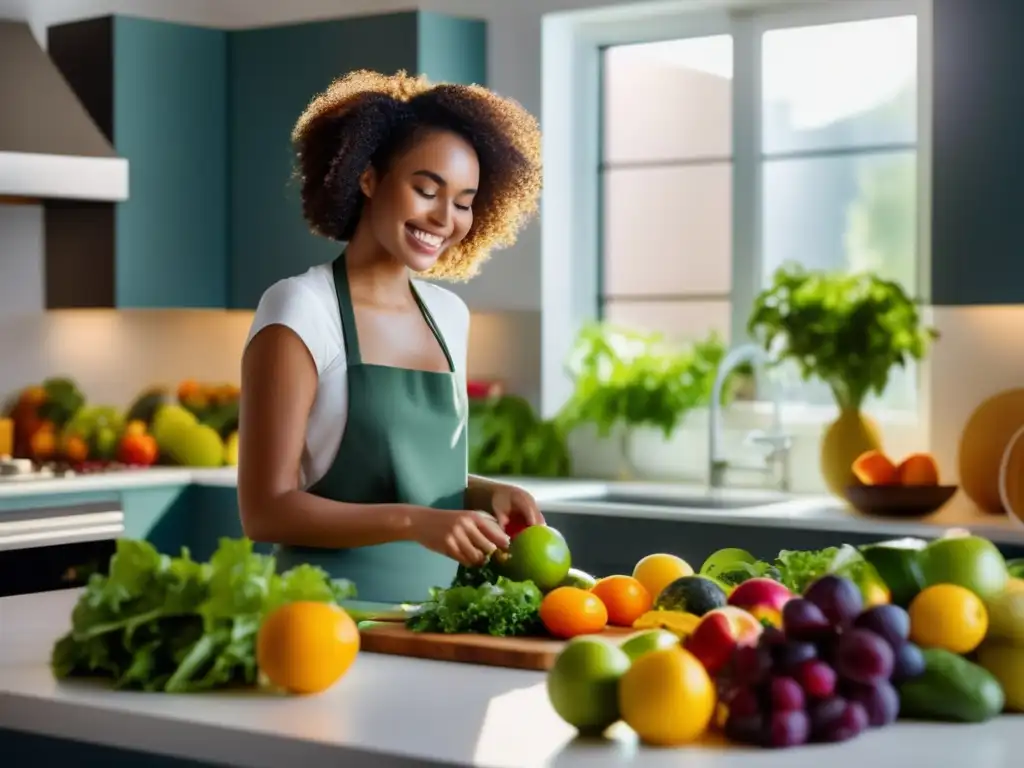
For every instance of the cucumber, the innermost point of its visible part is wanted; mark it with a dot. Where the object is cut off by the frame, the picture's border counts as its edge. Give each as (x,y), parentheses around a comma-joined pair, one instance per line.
(900,564)
(951,689)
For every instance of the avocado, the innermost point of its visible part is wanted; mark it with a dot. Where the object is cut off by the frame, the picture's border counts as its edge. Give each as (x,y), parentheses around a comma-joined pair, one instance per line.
(899,563)
(951,689)
(146,405)
(692,594)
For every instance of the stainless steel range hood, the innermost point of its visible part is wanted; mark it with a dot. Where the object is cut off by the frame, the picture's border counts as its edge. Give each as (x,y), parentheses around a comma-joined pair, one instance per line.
(50,148)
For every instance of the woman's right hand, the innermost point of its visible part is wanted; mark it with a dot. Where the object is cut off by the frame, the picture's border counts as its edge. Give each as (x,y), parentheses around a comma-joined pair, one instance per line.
(463,535)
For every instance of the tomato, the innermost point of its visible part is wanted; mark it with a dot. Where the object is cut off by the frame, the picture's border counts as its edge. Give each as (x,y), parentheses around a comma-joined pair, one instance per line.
(138,449)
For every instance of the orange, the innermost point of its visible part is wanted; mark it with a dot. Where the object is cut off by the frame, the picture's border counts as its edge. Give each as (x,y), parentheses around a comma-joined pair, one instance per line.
(656,572)
(875,468)
(570,611)
(918,469)
(625,598)
(305,647)
(948,616)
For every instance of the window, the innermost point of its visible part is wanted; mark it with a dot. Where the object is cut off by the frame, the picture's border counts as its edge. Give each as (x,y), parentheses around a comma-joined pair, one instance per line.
(727,154)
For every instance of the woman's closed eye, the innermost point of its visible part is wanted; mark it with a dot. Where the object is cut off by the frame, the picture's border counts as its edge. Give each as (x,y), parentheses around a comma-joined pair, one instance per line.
(433,195)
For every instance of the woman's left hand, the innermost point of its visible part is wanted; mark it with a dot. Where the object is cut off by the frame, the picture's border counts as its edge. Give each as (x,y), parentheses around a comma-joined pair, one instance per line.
(514,507)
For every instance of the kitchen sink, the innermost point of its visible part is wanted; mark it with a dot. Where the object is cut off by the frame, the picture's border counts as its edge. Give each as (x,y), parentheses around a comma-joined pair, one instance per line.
(698,501)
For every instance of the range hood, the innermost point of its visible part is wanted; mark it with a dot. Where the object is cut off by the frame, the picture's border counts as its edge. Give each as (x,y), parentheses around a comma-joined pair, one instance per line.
(50,148)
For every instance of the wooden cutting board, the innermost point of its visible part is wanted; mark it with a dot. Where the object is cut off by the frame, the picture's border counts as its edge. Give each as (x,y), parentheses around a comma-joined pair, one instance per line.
(513,652)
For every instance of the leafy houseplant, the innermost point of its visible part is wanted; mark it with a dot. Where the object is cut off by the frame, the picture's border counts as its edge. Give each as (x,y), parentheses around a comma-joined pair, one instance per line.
(507,438)
(849,331)
(633,379)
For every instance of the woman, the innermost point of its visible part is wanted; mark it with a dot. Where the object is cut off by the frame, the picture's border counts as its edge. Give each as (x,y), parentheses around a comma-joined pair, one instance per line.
(354,409)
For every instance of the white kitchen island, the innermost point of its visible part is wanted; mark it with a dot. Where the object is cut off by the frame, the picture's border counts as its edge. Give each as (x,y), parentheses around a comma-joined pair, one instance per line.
(396,711)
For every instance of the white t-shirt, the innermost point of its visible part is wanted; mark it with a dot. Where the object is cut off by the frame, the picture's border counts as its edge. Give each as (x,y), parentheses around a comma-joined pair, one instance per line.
(308,305)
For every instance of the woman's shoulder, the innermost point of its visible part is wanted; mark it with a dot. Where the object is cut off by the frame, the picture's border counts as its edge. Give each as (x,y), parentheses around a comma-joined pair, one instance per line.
(306,304)
(446,306)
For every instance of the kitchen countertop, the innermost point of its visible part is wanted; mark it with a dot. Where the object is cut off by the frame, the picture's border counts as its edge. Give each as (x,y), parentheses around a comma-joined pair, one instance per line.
(800,511)
(386,711)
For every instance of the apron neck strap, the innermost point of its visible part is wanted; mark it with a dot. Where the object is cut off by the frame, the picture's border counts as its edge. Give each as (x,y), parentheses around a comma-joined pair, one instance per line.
(348,315)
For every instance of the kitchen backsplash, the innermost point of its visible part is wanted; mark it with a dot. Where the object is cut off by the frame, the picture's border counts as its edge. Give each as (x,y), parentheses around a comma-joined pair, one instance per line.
(114,354)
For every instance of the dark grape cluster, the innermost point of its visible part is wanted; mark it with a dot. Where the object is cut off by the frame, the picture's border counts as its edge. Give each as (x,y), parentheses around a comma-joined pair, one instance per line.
(826,676)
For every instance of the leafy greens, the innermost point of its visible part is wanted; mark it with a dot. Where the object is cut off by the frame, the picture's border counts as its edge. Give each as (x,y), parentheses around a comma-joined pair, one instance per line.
(161,623)
(796,569)
(480,601)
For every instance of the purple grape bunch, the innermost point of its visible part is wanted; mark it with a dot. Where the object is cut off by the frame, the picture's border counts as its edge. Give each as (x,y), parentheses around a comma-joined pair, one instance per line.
(827,676)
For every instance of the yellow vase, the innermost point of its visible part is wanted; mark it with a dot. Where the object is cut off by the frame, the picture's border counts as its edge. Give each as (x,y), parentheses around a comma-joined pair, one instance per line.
(844,440)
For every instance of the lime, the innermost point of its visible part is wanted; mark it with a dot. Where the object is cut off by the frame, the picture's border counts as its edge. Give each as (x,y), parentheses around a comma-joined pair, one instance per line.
(579,579)
(583,684)
(967,561)
(720,561)
(538,554)
(649,640)
(1006,616)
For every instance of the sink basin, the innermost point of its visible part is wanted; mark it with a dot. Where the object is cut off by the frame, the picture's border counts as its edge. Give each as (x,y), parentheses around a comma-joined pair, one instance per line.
(695,501)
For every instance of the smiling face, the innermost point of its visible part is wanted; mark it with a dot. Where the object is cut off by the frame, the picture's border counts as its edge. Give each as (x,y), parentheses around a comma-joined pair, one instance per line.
(423,202)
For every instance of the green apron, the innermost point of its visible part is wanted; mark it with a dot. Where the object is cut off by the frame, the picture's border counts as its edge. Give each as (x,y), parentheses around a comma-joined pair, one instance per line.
(404,443)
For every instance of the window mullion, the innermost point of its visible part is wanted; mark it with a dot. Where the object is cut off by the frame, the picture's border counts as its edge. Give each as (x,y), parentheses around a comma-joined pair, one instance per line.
(746,192)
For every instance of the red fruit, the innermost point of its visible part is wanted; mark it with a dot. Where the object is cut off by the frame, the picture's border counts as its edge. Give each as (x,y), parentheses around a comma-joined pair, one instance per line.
(139,450)
(515,526)
(760,592)
(712,642)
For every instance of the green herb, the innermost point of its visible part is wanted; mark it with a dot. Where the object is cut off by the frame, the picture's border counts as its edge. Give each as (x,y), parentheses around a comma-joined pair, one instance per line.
(507,438)
(638,379)
(63,399)
(504,609)
(474,577)
(740,572)
(848,330)
(161,623)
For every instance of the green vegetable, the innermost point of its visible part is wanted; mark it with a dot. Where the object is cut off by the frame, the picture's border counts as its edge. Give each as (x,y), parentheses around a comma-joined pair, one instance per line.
(848,330)
(504,609)
(475,577)
(507,438)
(951,689)
(796,569)
(1016,568)
(638,379)
(899,564)
(161,623)
(63,399)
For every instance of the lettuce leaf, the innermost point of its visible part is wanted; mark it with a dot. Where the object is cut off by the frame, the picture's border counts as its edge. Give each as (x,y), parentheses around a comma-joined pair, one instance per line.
(502,609)
(161,623)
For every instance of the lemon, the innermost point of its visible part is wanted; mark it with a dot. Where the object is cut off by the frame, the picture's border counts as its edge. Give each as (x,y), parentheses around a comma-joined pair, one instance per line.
(667,697)
(1006,617)
(1006,663)
(948,616)
(656,572)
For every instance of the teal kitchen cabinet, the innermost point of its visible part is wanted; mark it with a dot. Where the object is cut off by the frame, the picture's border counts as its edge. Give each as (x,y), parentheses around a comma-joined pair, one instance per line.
(977,151)
(273,73)
(158,91)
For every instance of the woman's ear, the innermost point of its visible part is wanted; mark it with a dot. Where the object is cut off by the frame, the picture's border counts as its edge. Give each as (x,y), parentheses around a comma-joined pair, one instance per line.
(368,181)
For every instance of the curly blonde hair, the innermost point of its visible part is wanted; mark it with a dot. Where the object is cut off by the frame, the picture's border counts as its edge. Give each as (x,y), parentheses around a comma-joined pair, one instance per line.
(365,119)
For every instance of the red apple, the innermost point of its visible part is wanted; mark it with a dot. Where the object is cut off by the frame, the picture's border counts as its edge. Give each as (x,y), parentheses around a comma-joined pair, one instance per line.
(719,633)
(760,593)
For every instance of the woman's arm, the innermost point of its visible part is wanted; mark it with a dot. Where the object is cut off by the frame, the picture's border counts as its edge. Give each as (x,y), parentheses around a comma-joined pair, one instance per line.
(279,382)
(480,493)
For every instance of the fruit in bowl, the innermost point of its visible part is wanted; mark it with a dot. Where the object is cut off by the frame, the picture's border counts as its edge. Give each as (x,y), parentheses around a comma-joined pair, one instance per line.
(908,489)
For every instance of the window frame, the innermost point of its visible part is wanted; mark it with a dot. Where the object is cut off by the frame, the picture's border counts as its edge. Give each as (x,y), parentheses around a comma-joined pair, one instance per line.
(572,45)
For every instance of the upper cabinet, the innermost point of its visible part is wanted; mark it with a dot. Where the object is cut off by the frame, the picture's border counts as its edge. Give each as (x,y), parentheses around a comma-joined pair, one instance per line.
(157,90)
(977,188)
(273,74)
(204,118)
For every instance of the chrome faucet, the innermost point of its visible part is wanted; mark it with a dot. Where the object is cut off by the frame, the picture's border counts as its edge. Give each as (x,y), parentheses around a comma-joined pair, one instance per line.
(780,444)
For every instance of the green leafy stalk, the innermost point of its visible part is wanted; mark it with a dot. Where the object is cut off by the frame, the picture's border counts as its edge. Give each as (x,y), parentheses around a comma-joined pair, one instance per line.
(848,330)
(506,437)
(161,623)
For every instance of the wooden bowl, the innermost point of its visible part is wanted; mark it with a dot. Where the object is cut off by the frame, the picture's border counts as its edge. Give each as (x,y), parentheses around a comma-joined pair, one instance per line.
(899,500)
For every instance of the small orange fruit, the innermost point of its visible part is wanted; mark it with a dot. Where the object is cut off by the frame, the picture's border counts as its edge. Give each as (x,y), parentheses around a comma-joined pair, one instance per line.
(570,611)
(918,469)
(875,468)
(625,598)
(306,646)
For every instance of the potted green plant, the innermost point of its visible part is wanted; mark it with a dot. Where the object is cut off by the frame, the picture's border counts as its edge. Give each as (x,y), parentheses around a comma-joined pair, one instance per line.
(630,379)
(849,331)
(506,437)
